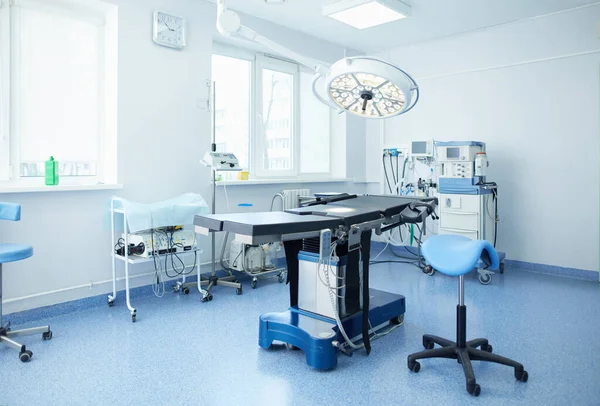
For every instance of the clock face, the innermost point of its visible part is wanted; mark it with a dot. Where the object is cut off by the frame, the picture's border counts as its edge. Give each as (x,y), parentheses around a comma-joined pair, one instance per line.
(169,30)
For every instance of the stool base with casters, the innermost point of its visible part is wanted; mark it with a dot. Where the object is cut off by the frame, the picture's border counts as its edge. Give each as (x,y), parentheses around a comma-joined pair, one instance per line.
(456,255)
(7,335)
(462,350)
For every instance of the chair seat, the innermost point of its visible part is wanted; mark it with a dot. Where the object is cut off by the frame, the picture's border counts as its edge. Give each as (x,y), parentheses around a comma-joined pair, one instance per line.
(456,255)
(14,252)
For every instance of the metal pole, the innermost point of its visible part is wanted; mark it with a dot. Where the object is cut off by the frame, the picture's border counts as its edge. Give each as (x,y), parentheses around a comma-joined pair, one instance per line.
(214,172)
(461,290)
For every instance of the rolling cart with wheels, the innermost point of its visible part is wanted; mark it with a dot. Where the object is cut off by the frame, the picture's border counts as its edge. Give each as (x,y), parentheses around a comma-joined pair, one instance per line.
(117,207)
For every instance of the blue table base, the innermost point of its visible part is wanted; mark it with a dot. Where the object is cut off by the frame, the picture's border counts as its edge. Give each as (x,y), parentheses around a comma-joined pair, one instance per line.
(314,334)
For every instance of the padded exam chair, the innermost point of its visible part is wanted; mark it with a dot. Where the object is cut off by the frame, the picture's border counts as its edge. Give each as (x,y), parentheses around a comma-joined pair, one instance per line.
(11,253)
(457,255)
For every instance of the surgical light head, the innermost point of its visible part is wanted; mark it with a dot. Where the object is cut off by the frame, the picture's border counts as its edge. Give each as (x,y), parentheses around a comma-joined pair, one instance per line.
(370,87)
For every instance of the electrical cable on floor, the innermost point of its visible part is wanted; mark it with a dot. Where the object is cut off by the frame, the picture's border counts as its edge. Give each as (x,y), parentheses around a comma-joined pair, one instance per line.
(381,252)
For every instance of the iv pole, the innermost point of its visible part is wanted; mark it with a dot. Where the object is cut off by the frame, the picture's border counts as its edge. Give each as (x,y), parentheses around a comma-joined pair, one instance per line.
(213,280)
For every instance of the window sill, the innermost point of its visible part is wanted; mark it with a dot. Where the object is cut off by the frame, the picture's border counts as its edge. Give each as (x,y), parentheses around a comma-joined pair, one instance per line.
(8,188)
(251,182)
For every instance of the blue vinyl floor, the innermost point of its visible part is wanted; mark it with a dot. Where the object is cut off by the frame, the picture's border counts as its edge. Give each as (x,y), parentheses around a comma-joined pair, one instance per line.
(183,352)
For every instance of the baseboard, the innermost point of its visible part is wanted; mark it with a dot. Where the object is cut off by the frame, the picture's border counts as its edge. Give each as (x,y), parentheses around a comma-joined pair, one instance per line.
(574,273)
(69,306)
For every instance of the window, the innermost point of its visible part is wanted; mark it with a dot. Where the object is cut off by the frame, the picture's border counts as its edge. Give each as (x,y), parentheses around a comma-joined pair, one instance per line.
(267,115)
(58,93)
(232,77)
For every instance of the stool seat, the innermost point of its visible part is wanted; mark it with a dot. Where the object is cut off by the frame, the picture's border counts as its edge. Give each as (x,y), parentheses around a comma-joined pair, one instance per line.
(456,255)
(14,252)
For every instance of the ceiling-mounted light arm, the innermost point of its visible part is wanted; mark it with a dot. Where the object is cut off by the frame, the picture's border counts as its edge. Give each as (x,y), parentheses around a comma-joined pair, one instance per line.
(229,25)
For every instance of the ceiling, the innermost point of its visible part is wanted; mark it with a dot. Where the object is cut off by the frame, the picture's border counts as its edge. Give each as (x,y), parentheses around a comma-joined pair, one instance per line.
(430,19)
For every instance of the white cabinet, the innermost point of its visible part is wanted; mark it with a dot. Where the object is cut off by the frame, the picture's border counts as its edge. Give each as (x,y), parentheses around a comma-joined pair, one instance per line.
(466,215)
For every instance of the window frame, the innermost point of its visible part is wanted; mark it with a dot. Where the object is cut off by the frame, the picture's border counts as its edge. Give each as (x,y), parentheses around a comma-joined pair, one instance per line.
(257,139)
(105,18)
(332,114)
(238,53)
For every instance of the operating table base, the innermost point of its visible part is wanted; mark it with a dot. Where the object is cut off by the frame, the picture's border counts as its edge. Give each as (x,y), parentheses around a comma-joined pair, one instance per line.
(318,336)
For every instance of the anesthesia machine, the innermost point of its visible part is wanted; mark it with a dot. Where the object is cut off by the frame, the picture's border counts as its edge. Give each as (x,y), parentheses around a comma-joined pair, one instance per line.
(465,196)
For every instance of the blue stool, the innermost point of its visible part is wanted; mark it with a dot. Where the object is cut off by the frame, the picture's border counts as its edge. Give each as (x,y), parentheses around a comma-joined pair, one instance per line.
(456,255)
(11,253)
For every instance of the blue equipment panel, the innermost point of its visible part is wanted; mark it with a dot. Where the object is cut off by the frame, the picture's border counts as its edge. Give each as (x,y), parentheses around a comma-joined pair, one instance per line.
(315,334)
(463,186)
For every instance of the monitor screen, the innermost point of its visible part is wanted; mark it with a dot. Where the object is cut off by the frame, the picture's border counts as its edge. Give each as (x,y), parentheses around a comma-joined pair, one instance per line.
(453,153)
(419,147)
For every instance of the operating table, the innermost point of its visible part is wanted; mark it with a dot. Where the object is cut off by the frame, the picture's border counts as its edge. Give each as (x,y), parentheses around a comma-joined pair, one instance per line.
(363,312)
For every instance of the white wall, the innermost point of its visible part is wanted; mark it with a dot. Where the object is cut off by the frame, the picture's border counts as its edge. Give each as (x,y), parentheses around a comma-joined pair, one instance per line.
(530,90)
(163,134)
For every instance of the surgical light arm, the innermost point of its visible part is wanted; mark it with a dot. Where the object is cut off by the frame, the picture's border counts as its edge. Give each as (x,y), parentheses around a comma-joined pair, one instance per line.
(229,25)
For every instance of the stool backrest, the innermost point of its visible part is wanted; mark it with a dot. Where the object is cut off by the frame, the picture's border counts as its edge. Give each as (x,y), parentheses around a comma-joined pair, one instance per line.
(10,211)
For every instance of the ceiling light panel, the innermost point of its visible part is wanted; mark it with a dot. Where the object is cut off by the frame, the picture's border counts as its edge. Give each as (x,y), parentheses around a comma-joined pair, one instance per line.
(363,14)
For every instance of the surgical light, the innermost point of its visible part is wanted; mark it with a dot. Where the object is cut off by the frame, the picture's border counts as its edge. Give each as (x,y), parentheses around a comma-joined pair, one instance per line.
(365,86)
(363,14)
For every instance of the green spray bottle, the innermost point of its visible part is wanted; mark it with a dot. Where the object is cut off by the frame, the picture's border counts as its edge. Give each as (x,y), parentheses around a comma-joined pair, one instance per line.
(51,172)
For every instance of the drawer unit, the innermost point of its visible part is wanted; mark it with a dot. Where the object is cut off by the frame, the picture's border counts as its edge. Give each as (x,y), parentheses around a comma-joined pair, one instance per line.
(473,235)
(460,203)
(459,220)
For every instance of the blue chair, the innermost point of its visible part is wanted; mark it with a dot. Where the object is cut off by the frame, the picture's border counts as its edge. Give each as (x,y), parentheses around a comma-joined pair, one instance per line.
(456,255)
(11,253)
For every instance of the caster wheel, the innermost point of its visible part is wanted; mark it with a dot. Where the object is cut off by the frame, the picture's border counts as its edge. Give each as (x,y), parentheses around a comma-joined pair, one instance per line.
(522,376)
(209,297)
(111,303)
(25,356)
(133,318)
(485,279)
(501,268)
(47,335)
(253,284)
(291,347)
(239,291)
(280,278)
(429,270)
(474,390)
(397,320)
(186,291)
(428,344)
(487,348)
(415,366)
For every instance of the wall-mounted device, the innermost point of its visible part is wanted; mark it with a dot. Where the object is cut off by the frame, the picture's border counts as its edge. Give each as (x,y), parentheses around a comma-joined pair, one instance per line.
(221,161)
(421,149)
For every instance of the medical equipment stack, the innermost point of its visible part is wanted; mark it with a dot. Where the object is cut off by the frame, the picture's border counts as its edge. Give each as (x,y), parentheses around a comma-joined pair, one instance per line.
(465,196)
(144,238)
